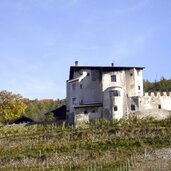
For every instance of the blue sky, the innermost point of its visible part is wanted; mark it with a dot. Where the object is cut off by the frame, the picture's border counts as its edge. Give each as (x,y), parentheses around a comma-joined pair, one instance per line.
(40,39)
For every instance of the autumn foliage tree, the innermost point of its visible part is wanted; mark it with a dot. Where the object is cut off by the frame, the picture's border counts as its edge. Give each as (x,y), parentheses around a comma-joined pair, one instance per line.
(11,106)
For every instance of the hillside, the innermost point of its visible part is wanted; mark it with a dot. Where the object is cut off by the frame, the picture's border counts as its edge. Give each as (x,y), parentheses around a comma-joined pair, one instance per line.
(101,145)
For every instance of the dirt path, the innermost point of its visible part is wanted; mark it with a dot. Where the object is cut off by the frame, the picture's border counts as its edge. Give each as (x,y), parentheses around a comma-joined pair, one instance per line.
(159,160)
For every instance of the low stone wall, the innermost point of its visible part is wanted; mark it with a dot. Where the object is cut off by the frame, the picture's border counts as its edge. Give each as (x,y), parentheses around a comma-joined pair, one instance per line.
(154,113)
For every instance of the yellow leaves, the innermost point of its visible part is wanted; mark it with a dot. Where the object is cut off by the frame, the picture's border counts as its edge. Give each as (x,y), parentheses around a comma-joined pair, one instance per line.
(11,106)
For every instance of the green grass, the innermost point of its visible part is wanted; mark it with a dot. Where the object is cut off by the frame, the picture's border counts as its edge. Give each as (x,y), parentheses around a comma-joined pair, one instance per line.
(100,144)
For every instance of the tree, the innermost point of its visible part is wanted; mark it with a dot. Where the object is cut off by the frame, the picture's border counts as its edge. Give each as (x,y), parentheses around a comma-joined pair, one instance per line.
(162,85)
(37,108)
(11,106)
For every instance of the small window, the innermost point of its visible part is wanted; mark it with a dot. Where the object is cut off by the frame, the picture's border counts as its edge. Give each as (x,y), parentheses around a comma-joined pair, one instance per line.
(115,108)
(93,111)
(115,93)
(139,87)
(159,106)
(74,101)
(94,75)
(133,107)
(113,78)
(81,86)
(131,74)
(85,112)
(74,86)
(81,102)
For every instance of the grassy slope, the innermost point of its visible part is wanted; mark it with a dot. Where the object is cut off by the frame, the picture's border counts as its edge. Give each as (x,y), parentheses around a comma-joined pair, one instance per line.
(101,144)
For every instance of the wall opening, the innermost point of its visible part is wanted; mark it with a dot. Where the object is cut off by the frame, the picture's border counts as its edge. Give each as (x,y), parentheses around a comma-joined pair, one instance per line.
(94,75)
(74,86)
(113,78)
(159,106)
(133,107)
(115,108)
(85,112)
(81,102)
(74,101)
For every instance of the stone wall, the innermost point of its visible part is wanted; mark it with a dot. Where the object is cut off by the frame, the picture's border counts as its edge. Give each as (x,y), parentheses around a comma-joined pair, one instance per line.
(87,114)
(155,100)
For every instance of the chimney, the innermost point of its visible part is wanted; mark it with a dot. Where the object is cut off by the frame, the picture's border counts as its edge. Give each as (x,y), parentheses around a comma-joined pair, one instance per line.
(112,64)
(76,63)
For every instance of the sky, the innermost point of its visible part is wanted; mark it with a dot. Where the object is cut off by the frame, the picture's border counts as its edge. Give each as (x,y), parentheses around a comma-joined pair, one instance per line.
(41,39)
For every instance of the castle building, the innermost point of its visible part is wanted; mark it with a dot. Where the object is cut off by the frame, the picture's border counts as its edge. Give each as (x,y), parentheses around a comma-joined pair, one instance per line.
(110,92)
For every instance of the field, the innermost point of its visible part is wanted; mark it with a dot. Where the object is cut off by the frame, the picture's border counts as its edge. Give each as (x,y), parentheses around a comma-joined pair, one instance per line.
(100,145)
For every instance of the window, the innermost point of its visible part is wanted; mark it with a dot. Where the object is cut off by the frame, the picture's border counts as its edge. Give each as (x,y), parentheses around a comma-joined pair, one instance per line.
(133,107)
(159,106)
(115,93)
(93,111)
(94,75)
(85,112)
(113,78)
(81,102)
(74,101)
(81,86)
(131,74)
(115,108)
(139,87)
(73,86)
